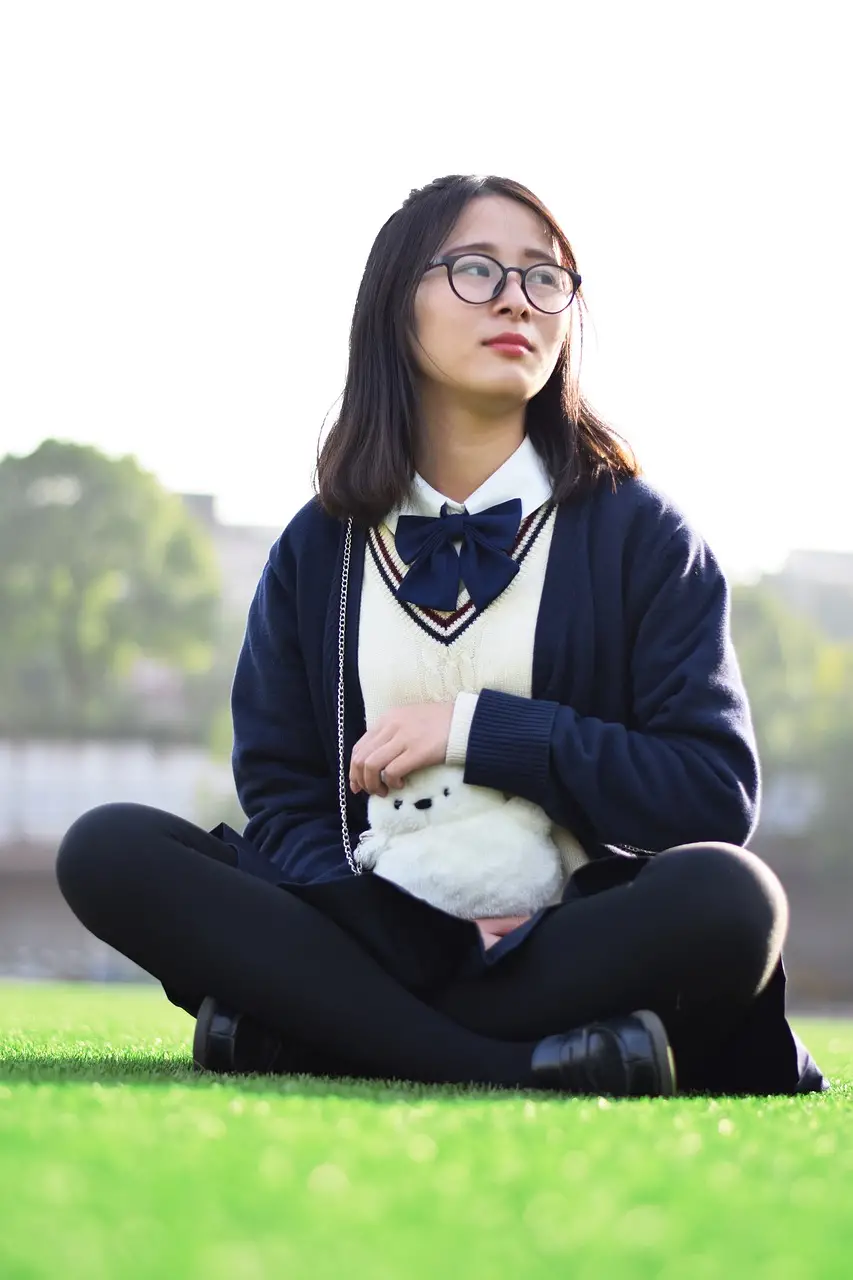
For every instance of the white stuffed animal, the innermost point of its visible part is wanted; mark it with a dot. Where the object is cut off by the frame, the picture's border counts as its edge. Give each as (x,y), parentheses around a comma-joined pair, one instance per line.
(469,850)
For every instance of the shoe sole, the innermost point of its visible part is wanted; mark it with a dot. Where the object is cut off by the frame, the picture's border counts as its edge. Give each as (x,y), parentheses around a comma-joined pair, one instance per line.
(210,1052)
(228,1043)
(664,1060)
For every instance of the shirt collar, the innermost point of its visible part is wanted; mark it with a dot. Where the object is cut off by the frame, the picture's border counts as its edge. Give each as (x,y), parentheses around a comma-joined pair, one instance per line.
(523,475)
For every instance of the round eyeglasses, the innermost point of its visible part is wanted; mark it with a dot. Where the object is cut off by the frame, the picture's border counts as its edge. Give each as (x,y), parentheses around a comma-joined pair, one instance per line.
(477,278)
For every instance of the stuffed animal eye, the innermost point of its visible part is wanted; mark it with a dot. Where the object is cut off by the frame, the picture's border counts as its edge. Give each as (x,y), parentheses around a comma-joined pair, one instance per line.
(398,804)
(447,791)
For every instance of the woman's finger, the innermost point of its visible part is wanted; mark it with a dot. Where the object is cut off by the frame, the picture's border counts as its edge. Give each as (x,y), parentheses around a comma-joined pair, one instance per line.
(366,745)
(397,770)
(377,762)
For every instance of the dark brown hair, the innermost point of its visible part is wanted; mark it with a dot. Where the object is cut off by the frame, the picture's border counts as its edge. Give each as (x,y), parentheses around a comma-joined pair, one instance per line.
(366,463)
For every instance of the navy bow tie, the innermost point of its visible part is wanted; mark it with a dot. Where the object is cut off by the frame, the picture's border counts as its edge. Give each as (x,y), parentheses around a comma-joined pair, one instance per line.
(484,562)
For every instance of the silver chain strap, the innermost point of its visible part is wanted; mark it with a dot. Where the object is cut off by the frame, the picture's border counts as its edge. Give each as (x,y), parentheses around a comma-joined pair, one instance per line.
(354,866)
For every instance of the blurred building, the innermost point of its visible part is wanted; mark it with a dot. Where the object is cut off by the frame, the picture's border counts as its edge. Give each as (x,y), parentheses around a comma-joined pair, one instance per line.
(832,568)
(241,550)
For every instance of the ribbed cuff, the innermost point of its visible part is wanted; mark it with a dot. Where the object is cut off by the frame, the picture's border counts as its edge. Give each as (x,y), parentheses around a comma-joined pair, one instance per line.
(509,745)
(460,728)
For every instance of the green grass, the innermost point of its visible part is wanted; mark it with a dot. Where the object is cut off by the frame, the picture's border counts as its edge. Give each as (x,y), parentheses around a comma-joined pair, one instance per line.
(117,1162)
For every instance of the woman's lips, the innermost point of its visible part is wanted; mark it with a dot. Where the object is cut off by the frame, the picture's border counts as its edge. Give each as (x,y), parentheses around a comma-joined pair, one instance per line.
(509,348)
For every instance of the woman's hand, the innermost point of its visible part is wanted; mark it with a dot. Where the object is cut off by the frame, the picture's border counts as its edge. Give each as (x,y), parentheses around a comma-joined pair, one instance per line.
(493,928)
(401,741)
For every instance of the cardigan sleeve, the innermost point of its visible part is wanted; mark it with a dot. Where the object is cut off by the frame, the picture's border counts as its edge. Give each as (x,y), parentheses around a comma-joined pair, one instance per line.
(684,768)
(281,771)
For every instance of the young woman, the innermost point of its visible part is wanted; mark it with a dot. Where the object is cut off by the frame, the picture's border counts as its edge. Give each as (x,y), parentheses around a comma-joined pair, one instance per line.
(483,581)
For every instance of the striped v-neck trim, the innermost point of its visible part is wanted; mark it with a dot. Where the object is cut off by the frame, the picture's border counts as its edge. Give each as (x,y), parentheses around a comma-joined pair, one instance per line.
(445,627)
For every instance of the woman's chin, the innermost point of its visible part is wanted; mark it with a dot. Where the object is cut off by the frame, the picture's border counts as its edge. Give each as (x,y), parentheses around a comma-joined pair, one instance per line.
(508,392)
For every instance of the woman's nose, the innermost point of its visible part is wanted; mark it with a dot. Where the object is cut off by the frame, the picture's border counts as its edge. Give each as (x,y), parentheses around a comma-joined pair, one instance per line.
(512,295)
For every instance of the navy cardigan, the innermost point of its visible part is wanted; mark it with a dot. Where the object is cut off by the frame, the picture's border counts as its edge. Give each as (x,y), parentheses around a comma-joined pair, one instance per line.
(637,735)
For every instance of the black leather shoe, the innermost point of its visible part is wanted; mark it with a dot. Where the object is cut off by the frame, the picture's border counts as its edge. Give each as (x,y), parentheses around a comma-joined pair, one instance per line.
(625,1057)
(232,1043)
(235,1044)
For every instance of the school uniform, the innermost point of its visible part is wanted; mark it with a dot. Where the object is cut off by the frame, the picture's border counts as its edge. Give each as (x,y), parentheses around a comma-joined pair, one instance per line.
(591,672)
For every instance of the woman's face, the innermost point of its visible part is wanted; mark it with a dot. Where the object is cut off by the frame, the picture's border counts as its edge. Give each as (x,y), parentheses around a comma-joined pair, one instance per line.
(452,337)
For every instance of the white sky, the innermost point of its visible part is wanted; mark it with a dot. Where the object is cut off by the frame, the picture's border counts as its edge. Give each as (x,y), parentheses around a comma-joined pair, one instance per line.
(171,173)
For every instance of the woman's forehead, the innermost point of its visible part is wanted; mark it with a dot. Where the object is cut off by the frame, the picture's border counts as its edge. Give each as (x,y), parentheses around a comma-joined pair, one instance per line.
(501,221)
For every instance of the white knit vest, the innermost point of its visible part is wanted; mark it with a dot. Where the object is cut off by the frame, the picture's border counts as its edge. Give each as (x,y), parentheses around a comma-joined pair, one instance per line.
(408,655)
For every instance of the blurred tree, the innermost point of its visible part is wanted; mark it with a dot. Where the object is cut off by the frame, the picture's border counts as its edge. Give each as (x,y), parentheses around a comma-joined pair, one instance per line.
(100,567)
(800,685)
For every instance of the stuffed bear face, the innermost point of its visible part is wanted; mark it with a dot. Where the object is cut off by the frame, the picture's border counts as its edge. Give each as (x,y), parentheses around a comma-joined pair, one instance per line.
(429,798)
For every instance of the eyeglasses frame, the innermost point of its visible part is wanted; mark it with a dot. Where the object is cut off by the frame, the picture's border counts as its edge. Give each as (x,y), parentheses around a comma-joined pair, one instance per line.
(450,262)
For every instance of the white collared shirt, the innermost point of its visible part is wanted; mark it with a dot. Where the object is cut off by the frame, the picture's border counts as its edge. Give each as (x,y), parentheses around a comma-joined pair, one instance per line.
(523,475)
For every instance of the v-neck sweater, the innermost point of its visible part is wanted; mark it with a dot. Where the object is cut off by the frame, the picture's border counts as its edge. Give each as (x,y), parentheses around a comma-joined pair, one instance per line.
(409,654)
(636,733)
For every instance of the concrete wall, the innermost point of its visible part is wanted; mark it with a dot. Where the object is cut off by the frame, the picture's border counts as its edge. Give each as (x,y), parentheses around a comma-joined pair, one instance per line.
(40,937)
(44,786)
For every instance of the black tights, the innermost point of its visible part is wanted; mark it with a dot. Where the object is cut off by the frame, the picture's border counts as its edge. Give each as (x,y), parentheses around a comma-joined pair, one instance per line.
(694,937)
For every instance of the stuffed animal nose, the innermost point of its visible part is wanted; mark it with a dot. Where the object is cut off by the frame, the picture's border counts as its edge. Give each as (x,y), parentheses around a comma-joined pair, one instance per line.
(423,804)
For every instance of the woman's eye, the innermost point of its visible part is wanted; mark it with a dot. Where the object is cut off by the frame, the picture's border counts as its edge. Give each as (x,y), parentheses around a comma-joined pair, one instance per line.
(543,276)
(473,267)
